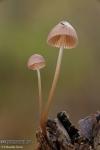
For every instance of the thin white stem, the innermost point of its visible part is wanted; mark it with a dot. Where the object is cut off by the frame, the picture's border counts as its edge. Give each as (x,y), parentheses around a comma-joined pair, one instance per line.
(52,90)
(40,90)
(56,76)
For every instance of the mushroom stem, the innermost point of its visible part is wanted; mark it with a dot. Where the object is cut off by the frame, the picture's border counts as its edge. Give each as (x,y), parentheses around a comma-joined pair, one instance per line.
(52,90)
(40,90)
(56,76)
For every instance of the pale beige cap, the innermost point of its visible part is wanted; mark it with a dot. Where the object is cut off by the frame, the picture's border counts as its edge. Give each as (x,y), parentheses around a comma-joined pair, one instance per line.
(63,35)
(35,62)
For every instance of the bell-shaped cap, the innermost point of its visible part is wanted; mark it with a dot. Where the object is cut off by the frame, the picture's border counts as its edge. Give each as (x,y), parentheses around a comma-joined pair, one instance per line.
(63,35)
(35,62)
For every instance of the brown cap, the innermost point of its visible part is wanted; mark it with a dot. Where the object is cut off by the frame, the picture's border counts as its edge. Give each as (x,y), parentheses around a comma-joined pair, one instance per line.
(63,35)
(35,62)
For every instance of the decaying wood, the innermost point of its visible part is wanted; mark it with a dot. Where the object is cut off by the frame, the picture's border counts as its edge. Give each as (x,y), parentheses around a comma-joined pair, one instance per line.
(62,135)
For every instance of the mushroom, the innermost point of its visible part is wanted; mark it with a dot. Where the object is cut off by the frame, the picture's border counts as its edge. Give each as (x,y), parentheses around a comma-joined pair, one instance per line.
(63,35)
(37,62)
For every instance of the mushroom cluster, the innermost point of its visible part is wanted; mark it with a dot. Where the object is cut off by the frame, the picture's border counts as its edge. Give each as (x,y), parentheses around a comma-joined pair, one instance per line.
(62,36)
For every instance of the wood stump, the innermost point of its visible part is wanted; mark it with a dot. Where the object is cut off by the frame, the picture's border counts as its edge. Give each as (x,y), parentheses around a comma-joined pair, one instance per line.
(61,134)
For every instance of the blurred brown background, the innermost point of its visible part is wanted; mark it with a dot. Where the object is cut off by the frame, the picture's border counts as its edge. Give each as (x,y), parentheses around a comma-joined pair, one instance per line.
(24,26)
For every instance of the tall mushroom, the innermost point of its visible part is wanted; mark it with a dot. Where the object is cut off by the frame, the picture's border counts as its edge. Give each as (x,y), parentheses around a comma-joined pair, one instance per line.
(37,62)
(63,35)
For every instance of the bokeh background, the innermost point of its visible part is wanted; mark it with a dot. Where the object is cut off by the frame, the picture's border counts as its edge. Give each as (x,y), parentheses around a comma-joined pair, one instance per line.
(24,26)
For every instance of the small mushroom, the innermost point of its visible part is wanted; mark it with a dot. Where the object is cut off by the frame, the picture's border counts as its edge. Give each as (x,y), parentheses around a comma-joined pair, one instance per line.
(37,62)
(63,35)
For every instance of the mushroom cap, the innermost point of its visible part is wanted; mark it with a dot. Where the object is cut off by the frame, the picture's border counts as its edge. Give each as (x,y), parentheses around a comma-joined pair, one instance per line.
(63,35)
(35,62)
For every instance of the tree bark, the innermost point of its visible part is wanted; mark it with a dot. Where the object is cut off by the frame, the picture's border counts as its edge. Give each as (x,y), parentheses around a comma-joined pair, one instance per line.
(61,134)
